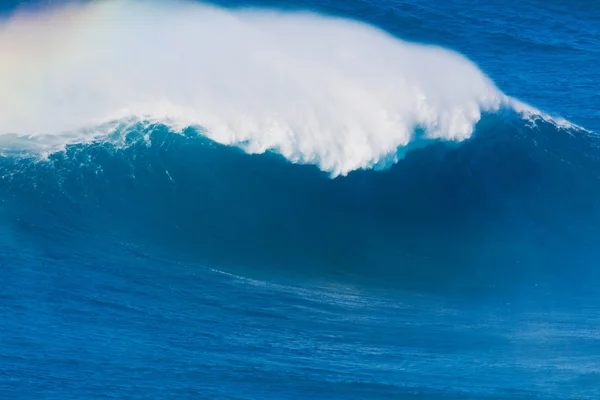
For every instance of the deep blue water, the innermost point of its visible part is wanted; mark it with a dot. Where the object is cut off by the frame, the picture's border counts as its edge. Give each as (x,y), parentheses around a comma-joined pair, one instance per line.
(176,267)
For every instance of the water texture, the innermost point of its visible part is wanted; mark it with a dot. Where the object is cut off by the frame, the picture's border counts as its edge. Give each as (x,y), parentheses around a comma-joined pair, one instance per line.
(299,199)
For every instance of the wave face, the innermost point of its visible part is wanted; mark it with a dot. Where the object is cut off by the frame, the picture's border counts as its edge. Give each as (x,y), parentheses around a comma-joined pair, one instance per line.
(515,201)
(264,204)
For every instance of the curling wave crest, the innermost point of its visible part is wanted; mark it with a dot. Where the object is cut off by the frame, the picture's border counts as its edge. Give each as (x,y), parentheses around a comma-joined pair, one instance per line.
(321,90)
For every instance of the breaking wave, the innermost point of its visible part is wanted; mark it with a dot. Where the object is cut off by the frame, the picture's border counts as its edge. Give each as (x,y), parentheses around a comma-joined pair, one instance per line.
(141,111)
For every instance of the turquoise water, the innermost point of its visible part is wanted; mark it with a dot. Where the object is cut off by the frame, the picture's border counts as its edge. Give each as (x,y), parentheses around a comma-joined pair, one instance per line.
(259,232)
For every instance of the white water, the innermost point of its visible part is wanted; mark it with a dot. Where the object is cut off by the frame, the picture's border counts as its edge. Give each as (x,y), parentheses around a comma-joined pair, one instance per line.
(319,90)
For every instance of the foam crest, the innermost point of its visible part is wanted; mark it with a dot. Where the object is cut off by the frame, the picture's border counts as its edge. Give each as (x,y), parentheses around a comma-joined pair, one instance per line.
(333,92)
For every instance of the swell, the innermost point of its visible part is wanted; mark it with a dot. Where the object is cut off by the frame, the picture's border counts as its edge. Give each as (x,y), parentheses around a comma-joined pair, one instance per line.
(515,203)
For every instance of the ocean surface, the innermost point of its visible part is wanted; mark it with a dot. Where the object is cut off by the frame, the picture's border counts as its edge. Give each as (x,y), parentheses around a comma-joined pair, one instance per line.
(300,199)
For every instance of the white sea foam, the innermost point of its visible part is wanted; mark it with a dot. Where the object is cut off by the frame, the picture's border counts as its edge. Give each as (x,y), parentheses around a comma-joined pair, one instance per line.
(333,92)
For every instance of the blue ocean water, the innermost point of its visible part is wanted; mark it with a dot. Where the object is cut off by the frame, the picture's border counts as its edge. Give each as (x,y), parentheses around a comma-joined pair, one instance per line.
(146,260)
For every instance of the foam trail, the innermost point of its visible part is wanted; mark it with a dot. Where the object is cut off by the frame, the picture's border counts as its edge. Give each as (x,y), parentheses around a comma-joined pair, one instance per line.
(332,92)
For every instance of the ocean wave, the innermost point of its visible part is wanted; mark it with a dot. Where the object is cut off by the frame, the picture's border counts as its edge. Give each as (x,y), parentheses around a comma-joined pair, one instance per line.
(127,122)
(320,90)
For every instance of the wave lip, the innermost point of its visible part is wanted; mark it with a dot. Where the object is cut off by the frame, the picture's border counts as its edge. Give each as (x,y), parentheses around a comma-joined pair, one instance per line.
(332,92)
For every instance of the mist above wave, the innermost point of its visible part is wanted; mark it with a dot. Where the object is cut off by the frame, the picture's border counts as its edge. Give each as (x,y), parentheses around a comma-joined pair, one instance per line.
(332,92)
